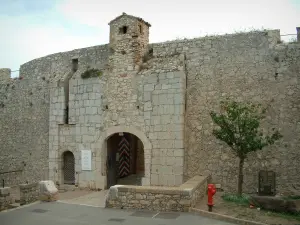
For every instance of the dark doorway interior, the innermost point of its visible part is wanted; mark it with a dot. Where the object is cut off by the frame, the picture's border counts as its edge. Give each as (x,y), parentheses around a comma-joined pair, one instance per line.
(69,168)
(125,160)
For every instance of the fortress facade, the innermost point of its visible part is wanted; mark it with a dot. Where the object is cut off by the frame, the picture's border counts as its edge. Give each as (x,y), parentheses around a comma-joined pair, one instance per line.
(130,111)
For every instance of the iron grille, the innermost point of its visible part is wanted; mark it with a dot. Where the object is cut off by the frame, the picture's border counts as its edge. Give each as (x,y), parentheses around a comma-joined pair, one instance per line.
(69,168)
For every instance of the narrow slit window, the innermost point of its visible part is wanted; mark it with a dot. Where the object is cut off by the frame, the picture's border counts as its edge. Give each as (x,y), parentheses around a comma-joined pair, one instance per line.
(74,65)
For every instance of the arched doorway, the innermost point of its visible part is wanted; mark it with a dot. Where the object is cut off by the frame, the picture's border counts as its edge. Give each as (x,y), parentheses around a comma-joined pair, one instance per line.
(69,167)
(125,160)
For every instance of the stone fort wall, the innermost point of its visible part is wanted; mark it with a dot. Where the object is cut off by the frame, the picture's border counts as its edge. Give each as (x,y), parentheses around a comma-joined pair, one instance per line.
(24,129)
(248,66)
(25,113)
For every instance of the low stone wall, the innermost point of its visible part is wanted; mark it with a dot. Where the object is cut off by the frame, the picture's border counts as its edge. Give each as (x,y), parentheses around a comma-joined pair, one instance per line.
(5,198)
(199,184)
(158,198)
(29,193)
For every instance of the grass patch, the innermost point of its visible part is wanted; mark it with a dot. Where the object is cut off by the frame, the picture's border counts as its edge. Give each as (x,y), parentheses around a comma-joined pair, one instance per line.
(244,200)
(241,200)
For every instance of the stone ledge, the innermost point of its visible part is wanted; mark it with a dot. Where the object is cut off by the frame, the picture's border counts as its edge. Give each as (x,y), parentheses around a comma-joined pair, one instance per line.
(225,218)
(195,182)
(183,189)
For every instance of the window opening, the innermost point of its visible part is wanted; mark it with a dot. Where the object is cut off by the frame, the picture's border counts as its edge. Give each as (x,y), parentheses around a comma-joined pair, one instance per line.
(74,65)
(123,30)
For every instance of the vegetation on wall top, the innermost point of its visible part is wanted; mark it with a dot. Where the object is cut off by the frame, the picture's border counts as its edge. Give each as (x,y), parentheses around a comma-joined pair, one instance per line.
(91,72)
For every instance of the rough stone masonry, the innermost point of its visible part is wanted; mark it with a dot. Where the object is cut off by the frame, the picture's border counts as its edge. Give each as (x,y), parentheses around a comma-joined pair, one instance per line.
(162,93)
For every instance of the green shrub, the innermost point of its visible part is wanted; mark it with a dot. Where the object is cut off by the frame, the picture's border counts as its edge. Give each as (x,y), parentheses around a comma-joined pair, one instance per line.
(91,73)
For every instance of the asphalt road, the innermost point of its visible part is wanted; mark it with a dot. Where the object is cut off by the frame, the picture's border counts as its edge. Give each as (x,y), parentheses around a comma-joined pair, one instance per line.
(67,214)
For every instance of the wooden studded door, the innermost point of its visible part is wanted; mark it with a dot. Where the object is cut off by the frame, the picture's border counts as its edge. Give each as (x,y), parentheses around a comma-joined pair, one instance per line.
(69,168)
(124,157)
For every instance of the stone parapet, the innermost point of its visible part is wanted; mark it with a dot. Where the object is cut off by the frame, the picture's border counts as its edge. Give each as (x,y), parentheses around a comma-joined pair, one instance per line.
(159,198)
(29,193)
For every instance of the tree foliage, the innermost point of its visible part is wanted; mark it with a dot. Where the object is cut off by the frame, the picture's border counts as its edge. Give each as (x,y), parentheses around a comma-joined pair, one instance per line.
(239,126)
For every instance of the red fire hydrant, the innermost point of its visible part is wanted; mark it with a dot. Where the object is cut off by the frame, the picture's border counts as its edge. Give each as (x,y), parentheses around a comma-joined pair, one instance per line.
(211,190)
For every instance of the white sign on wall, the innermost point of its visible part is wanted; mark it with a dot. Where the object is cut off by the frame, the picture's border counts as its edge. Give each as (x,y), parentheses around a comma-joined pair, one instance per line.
(86,160)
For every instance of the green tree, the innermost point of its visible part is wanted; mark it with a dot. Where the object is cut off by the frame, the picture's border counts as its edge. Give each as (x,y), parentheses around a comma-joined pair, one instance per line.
(239,127)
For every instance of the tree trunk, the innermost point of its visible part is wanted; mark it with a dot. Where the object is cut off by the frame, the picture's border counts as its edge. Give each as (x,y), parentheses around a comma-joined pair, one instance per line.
(240,178)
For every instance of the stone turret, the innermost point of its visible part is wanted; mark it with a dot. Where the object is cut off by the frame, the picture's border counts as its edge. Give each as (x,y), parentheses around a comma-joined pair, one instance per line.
(129,39)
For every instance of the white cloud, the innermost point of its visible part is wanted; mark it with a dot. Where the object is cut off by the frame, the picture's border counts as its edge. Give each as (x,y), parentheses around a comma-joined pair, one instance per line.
(26,37)
(190,18)
(22,42)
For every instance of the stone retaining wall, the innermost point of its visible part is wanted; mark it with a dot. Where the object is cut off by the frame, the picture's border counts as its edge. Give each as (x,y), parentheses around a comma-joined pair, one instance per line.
(5,198)
(29,193)
(199,187)
(158,198)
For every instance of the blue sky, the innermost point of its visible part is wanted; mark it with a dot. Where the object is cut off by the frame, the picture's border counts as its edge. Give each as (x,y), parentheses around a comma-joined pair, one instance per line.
(35,28)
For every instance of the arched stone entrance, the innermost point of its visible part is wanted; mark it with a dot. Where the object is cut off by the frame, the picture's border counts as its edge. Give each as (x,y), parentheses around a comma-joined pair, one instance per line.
(110,139)
(68,168)
(125,160)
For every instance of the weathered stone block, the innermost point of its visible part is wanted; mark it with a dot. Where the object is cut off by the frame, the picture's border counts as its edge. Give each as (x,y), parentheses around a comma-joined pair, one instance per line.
(147,106)
(166,86)
(48,191)
(123,199)
(144,202)
(148,87)
(147,96)
(138,196)
(163,99)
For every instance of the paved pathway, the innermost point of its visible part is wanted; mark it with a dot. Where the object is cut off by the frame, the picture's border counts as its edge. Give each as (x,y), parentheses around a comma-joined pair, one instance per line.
(82,197)
(66,214)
